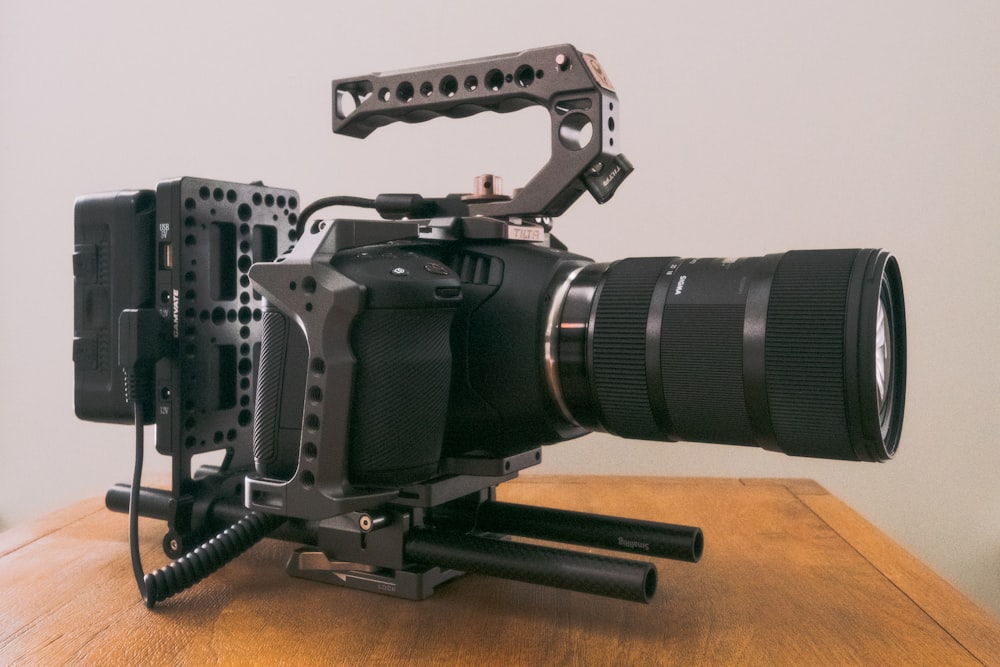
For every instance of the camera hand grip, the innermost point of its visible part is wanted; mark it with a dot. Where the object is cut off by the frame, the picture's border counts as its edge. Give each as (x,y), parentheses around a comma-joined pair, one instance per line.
(278,405)
(571,85)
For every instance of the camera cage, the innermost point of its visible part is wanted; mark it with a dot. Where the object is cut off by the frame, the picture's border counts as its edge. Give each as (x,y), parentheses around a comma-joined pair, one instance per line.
(397,541)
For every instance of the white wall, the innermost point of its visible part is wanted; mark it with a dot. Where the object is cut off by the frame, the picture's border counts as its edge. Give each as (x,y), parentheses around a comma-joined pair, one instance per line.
(754,128)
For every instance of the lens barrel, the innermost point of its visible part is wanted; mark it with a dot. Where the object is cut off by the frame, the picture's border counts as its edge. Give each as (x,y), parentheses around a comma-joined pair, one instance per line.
(802,352)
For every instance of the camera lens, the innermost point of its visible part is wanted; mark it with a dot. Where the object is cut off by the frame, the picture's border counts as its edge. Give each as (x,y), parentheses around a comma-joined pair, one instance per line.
(802,352)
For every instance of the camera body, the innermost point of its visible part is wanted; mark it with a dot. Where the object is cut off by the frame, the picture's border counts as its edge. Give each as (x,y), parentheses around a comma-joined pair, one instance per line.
(423,357)
(371,381)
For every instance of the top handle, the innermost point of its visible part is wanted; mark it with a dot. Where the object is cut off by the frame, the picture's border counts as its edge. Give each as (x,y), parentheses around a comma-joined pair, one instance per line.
(571,85)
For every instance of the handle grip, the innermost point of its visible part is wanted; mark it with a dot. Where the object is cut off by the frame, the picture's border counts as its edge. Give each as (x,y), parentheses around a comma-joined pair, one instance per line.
(582,106)
(501,84)
(278,405)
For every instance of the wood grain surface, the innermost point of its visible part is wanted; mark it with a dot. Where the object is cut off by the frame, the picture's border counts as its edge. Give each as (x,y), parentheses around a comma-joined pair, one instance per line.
(790,575)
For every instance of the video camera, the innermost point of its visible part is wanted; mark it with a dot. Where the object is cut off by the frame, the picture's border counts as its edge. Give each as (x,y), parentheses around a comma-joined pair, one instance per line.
(371,382)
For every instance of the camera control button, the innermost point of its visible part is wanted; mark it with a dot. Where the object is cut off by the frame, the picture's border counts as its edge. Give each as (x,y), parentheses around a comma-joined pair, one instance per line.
(400,272)
(436,269)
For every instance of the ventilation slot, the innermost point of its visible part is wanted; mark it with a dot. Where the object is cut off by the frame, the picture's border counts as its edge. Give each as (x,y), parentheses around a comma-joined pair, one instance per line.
(479,270)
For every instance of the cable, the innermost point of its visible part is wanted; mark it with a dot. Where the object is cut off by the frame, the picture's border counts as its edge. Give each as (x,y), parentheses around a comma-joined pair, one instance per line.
(137,350)
(326,202)
(133,502)
(191,568)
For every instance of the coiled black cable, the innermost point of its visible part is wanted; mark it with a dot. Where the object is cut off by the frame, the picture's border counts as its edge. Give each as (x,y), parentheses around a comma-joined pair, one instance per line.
(188,570)
(191,568)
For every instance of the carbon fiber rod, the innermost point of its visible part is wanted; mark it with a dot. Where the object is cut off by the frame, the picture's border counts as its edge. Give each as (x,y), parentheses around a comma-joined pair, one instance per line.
(648,538)
(153,503)
(587,573)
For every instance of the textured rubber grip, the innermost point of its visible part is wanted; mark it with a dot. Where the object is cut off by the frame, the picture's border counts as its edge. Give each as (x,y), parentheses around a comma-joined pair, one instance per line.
(806,356)
(270,378)
(619,347)
(400,399)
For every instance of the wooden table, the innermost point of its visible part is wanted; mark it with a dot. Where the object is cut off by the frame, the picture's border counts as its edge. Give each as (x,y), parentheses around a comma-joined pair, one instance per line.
(790,575)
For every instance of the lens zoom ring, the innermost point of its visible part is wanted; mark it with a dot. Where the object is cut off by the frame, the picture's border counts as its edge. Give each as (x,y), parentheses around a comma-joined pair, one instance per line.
(702,358)
(619,347)
(804,352)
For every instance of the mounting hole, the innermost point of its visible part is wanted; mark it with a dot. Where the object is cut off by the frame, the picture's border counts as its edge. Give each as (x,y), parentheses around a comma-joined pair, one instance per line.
(315,394)
(404,92)
(494,80)
(312,422)
(449,86)
(346,103)
(348,99)
(525,75)
(308,479)
(244,212)
(311,451)
(471,83)
(576,131)
(427,89)
(318,366)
